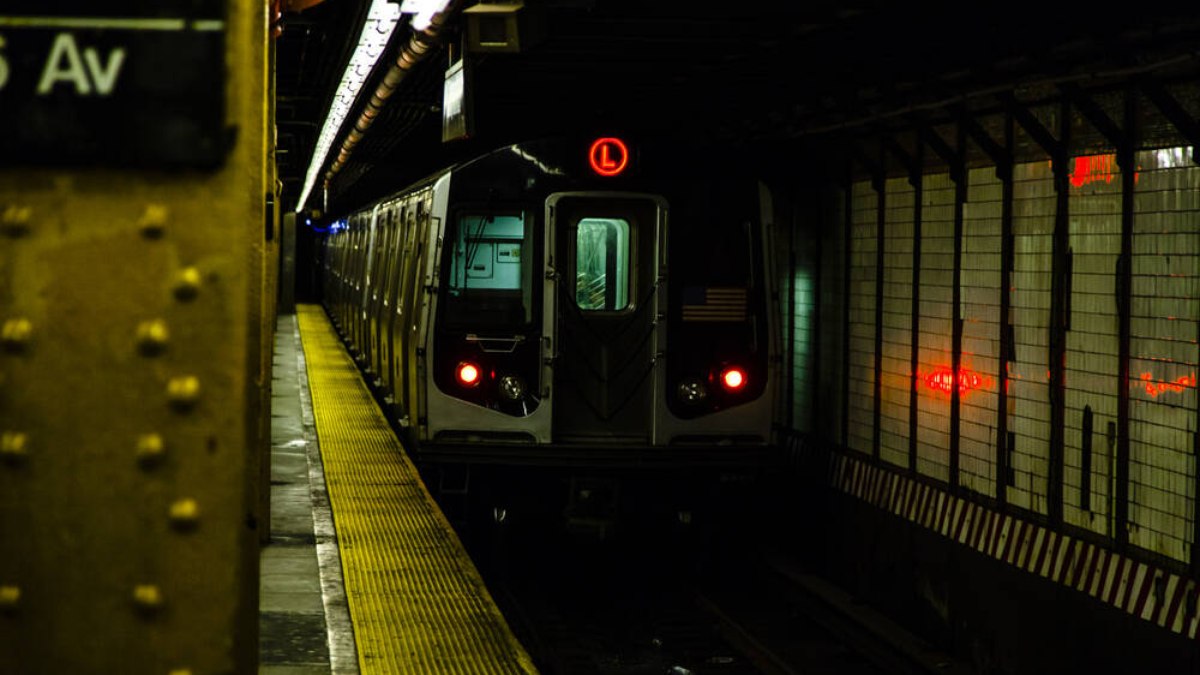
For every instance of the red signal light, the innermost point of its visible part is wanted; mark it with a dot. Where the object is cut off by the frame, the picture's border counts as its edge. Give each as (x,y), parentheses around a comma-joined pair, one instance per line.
(468,374)
(733,378)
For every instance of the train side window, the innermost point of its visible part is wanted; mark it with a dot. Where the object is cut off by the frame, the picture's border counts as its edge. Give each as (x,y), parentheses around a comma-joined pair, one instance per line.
(487,253)
(490,270)
(602,264)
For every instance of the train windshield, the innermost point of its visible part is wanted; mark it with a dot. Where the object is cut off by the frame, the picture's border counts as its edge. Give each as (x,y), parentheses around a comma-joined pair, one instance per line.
(490,280)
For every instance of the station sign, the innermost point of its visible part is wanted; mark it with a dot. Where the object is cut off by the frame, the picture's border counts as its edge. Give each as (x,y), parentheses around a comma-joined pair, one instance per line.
(116,83)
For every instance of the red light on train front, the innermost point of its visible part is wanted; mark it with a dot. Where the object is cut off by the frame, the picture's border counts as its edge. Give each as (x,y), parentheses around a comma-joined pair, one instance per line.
(468,374)
(733,378)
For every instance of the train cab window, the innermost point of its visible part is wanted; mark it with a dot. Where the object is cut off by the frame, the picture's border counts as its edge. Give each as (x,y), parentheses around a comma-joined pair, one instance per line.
(602,264)
(491,270)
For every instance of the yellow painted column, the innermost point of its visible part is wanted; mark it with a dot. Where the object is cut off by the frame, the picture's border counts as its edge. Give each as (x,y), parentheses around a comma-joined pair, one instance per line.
(132,387)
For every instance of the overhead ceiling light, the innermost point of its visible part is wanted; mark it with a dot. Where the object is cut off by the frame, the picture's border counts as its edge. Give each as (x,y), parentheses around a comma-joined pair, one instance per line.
(372,42)
(423,11)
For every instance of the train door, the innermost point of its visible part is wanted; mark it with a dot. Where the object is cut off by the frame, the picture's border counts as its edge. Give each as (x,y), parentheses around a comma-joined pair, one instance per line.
(374,275)
(604,256)
(388,315)
(425,237)
(414,227)
(353,312)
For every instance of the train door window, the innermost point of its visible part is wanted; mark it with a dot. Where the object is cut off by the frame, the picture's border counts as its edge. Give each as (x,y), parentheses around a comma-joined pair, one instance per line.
(491,270)
(602,264)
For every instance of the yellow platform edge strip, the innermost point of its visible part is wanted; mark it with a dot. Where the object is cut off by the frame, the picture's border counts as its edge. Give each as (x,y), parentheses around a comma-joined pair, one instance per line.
(417,602)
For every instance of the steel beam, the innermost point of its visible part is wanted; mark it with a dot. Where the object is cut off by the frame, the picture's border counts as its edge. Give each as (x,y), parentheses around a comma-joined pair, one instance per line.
(132,303)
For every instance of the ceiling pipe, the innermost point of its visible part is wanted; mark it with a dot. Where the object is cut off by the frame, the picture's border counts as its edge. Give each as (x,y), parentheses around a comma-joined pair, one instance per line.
(419,46)
(278,7)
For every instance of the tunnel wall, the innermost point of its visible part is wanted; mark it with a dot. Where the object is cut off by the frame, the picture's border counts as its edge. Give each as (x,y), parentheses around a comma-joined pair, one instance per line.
(994,345)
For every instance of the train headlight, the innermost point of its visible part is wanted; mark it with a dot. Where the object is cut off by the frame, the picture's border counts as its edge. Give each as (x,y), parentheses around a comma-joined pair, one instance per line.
(691,391)
(733,378)
(468,374)
(512,388)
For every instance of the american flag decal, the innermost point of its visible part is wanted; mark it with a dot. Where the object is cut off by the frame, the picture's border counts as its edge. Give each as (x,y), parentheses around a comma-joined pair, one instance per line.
(714,303)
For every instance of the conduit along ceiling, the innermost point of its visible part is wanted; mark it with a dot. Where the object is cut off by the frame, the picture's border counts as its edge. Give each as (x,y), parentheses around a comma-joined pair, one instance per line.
(765,77)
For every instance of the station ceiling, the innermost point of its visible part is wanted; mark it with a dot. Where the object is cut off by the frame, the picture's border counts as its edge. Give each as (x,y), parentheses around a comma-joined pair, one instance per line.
(764,76)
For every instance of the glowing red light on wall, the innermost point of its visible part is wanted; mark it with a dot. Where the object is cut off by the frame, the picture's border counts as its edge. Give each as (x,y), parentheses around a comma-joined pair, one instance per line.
(942,379)
(1095,169)
(1154,387)
(468,374)
(733,378)
(608,156)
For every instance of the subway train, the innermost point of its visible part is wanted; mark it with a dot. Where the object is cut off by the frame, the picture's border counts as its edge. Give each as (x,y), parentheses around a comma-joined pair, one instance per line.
(568,303)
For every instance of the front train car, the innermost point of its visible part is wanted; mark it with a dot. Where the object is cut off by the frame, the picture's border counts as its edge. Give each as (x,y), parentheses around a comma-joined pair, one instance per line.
(577,303)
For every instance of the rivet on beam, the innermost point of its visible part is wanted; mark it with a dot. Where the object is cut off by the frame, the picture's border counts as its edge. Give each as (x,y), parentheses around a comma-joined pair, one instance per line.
(183,392)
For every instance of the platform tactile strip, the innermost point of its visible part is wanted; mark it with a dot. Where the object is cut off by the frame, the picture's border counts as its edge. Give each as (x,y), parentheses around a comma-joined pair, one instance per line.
(417,602)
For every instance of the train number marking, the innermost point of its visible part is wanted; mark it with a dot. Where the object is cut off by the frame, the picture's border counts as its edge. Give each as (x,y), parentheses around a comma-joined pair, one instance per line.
(3,65)
(82,68)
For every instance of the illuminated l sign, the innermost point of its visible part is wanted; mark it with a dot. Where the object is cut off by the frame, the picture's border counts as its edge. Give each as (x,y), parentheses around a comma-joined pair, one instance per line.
(608,156)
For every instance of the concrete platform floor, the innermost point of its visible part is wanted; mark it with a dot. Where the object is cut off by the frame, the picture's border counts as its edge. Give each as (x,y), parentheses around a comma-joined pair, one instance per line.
(304,621)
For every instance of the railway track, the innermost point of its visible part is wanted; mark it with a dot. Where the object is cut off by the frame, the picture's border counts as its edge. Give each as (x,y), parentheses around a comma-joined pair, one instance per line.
(649,605)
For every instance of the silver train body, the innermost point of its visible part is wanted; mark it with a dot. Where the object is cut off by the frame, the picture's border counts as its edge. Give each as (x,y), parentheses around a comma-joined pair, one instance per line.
(524,308)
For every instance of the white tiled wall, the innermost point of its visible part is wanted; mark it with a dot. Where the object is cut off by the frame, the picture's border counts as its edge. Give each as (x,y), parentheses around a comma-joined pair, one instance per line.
(1093,341)
(833,307)
(896,378)
(936,336)
(1164,347)
(800,288)
(861,379)
(981,247)
(1028,400)
(1163,352)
